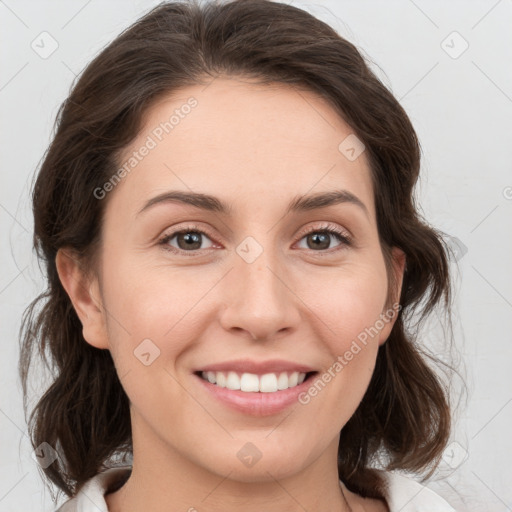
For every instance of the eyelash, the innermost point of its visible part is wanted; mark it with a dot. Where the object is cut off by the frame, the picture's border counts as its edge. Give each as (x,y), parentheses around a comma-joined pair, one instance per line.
(342,236)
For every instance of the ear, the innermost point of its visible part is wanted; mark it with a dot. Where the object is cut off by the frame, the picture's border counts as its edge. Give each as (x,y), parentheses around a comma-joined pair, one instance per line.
(84,293)
(390,312)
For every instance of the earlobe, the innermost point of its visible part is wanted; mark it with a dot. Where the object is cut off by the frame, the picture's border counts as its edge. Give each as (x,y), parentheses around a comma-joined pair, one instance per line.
(84,294)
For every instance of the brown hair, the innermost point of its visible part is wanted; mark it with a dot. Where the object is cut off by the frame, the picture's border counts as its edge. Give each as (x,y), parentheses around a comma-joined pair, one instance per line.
(84,414)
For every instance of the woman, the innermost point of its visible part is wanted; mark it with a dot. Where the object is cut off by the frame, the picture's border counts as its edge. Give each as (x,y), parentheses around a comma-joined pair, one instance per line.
(234,258)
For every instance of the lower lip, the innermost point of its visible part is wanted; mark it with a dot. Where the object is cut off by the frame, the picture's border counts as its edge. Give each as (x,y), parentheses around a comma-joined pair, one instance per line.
(256,404)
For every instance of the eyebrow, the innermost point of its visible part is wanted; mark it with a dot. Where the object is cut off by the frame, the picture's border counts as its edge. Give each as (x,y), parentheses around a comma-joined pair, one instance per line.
(298,204)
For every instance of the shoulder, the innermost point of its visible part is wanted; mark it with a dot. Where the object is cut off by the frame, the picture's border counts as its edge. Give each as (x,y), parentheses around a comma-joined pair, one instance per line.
(91,497)
(407,495)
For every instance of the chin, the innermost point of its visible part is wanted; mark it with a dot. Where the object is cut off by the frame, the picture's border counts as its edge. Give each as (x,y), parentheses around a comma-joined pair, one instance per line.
(252,465)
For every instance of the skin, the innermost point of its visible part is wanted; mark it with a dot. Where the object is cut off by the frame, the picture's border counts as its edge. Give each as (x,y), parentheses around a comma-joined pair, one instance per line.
(255,147)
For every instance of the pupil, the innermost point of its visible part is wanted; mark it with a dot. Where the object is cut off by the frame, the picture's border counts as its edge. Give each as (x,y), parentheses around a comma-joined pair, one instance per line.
(320,237)
(192,240)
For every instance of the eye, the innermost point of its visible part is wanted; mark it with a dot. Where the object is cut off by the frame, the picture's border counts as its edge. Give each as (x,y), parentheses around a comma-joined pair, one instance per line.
(319,238)
(188,239)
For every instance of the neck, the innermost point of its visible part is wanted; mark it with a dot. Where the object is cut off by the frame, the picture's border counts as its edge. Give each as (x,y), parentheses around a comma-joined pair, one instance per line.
(163,480)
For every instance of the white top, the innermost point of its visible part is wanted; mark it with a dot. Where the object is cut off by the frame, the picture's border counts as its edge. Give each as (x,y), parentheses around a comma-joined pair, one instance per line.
(402,494)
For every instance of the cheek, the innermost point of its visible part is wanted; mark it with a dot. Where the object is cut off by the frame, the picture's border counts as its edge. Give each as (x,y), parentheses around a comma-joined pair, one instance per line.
(151,326)
(152,301)
(149,312)
(348,320)
(347,302)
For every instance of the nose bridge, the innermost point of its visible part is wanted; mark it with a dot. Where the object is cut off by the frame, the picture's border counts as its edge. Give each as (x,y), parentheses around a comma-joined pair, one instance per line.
(260,299)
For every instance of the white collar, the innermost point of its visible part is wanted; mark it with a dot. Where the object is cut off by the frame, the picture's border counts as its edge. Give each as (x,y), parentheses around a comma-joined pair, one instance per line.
(402,494)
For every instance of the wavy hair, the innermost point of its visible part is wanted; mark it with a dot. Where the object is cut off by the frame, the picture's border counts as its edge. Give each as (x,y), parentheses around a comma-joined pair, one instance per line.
(84,414)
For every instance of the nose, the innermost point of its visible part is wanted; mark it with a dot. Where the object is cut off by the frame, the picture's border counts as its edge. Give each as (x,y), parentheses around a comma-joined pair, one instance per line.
(259,299)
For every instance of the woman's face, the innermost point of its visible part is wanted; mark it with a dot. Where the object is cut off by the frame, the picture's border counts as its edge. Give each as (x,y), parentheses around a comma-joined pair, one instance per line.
(256,287)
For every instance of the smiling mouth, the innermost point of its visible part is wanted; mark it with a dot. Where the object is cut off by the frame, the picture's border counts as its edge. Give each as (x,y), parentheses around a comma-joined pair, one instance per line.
(253,383)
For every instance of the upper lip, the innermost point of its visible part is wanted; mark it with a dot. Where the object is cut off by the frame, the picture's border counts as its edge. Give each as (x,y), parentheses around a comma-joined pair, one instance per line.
(257,367)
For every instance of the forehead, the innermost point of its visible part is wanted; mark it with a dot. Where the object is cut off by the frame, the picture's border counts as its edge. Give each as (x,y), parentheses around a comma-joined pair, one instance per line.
(237,139)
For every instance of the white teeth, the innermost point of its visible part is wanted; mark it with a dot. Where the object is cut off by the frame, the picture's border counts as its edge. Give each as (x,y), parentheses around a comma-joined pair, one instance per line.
(268,383)
(250,382)
(233,381)
(221,379)
(282,381)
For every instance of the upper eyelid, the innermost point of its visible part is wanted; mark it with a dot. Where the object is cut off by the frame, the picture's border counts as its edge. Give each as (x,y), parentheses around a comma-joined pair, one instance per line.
(324,227)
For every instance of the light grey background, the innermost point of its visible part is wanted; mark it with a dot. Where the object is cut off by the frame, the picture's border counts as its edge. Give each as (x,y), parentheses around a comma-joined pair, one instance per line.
(461,106)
